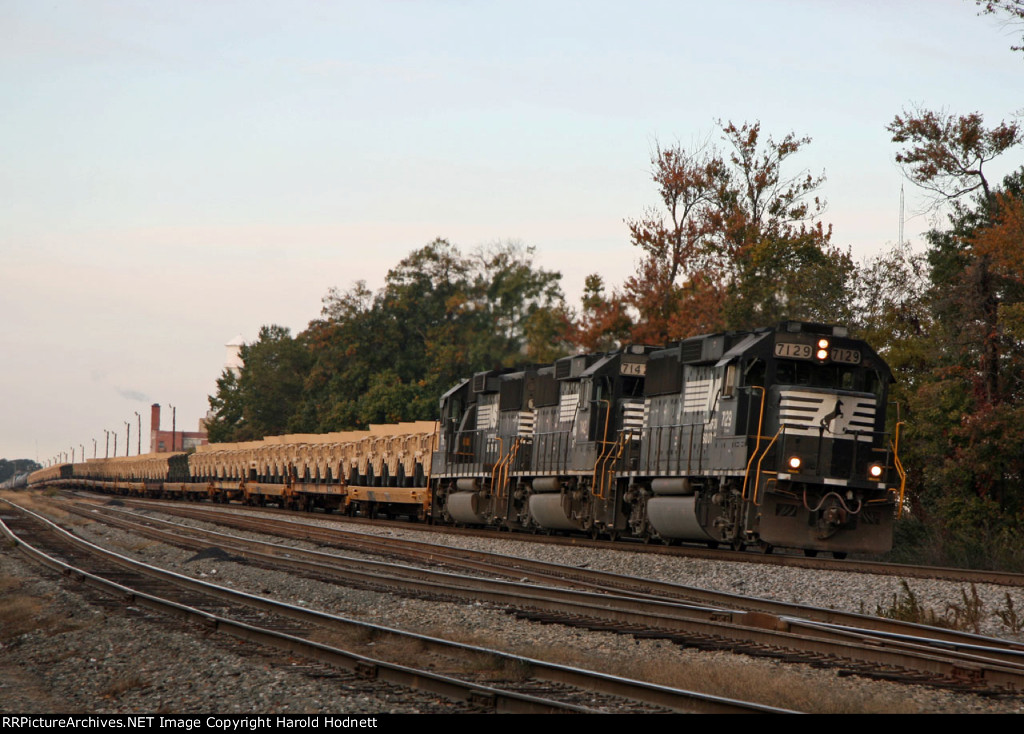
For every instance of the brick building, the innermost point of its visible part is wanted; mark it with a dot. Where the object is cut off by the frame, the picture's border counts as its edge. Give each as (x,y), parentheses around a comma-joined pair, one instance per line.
(173,440)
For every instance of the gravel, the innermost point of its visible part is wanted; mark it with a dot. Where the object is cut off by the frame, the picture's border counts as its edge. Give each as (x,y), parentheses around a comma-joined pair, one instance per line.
(73,656)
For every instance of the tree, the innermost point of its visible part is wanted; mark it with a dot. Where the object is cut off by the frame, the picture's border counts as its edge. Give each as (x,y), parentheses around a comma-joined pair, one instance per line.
(800,275)
(965,392)
(263,399)
(1014,9)
(345,348)
(893,315)
(226,409)
(517,303)
(17,466)
(946,154)
(740,243)
(603,323)
(388,355)
(1002,243)
(672,241)
(758,200)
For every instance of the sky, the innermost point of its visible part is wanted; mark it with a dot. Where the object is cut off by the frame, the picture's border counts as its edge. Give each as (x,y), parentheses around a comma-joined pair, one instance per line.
(174,173)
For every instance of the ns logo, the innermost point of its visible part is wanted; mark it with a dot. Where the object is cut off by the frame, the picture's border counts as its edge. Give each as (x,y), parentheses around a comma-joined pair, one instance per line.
(835,421)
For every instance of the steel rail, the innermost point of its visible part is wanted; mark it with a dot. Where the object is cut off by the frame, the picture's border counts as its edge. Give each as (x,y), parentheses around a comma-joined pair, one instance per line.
(964,575)
(603,581)
(497,699)
(672,620)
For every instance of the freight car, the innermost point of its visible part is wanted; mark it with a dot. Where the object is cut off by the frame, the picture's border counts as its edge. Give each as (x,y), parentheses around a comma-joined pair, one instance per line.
(768,438)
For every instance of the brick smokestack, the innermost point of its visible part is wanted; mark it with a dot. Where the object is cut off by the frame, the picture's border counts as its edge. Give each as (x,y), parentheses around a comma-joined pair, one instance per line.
(154,426)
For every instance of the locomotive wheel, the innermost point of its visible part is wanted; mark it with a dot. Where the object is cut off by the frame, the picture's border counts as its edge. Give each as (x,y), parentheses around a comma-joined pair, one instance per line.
(839,555)
(810,553)
(766,548)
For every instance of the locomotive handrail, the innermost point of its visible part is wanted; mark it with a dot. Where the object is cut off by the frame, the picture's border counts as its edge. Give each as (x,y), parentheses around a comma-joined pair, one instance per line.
(496,469)
(514,453)
(675,439)
(503,468)
(899,467)
(757,478)
(604,451)
(757,447)
(609,458)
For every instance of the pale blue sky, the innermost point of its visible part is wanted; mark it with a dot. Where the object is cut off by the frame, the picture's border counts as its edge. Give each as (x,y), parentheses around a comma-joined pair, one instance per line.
(175,173)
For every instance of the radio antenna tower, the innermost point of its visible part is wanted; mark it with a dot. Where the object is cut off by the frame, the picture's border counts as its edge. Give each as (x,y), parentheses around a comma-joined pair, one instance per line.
(901,216)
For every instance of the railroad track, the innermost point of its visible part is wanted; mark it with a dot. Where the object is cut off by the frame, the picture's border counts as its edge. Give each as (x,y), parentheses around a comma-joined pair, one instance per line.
(873,647)
(778,558)
(547,688)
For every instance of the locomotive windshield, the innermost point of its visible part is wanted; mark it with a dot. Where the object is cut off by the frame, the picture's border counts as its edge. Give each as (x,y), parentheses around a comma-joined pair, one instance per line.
(835,376)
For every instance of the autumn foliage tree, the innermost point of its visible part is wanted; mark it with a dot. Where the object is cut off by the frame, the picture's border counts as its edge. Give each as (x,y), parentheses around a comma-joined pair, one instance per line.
(670,290)
(1011,11)
(603,322)
(946,155)
(736,242)
(965,448)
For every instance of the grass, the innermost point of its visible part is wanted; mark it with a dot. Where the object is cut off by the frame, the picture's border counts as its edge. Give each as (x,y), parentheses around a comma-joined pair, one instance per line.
(966,615)
(22,612)
(1010,618)
(773,684)
(123,684)
(905,607)
(40,503)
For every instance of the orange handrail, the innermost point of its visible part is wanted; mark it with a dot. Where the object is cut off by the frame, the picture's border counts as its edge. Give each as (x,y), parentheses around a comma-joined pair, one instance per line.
(753,454)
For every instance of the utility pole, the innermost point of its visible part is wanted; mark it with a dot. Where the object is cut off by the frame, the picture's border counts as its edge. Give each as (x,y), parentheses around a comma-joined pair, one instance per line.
(174,419)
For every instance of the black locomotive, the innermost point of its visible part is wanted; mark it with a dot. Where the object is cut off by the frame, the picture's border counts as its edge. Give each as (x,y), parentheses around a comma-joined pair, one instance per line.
(771,438)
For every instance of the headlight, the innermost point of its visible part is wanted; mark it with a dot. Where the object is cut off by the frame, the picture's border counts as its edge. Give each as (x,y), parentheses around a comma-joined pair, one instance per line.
(875,470)
(794,463)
